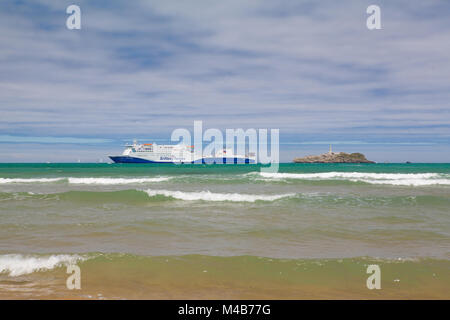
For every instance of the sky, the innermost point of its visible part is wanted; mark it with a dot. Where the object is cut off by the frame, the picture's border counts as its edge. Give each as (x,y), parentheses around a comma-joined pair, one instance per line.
(140,69)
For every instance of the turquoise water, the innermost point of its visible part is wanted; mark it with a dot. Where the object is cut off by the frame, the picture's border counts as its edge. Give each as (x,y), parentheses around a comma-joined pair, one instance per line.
(312,214)
(57,169)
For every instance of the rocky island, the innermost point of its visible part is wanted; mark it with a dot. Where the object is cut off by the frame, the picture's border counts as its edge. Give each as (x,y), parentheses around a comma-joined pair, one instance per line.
(333,157)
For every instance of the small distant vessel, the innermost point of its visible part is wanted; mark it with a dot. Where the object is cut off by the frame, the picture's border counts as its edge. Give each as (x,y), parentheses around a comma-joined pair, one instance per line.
(180,153)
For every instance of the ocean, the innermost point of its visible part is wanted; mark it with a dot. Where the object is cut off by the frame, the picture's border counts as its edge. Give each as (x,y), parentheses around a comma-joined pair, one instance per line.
(161,231)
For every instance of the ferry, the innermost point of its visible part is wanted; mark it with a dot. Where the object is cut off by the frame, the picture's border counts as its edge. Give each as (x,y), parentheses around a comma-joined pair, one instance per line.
(179,154)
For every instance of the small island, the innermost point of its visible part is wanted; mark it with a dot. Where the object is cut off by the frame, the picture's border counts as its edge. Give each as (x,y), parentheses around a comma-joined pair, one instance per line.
(333,157)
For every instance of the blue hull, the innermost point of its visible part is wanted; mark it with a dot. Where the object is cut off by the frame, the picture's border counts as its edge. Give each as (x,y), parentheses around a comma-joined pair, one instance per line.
(224,161)
(127,159)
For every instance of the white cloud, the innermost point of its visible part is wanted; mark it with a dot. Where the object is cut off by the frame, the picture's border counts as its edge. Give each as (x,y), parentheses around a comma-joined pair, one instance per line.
(149,66)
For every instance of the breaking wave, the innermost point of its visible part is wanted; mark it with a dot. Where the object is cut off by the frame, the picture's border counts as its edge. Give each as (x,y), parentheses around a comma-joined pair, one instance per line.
(112,181)
(17,264)
(31,180)
(93,181)
(139,197)
(395,179)
(399,179)
(210,196)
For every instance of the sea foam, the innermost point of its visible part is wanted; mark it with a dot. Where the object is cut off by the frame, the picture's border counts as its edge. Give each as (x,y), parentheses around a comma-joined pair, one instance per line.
(210,196)
(29,180)
(349,175)
(16,264)
(98,181)
(408,182)
(112,181)
(400,179)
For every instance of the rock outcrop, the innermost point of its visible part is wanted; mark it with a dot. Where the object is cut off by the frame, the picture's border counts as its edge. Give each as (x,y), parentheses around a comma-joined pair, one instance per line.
(332,157)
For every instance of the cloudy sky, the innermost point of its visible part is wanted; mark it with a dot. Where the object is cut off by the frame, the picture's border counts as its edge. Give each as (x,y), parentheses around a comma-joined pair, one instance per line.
(139,69)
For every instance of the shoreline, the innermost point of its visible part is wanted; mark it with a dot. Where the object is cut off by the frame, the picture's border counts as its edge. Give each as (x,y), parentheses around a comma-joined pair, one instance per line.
(121,276)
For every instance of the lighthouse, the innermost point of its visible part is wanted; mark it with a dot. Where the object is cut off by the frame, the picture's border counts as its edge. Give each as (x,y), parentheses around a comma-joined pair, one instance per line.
(330,152)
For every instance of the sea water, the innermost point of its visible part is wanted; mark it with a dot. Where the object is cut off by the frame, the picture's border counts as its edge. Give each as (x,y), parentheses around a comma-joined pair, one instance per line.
(224,231)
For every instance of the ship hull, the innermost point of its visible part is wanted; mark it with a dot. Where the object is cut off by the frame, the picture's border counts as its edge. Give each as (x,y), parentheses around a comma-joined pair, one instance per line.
(230,160)
(127,159)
